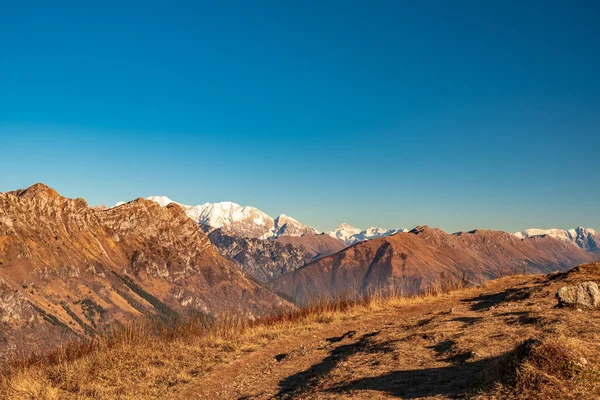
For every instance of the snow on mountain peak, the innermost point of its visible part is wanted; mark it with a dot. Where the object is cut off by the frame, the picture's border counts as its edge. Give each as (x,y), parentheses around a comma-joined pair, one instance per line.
(350,235)
(246,221)
(243,221)
(585,238)
(163,201)
(288,226)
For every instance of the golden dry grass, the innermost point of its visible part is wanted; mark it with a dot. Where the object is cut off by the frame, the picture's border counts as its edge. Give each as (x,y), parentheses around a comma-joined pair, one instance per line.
(148,360)
(468,341)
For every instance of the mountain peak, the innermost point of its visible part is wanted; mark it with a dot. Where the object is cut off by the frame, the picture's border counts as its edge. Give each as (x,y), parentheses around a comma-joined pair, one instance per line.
(163,201)
(420,228)
(288,226)
(346,226)
(36,190)
(350,235)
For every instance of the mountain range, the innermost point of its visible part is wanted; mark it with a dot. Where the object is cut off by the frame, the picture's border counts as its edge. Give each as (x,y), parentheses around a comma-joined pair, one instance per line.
(250,222)
(240,221)
(410,262)
(350,235)
(70,269)
(585,238)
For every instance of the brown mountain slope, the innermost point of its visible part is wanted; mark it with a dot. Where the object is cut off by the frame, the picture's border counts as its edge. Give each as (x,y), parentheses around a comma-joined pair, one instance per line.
(316,246)
(66,268)
(411,262)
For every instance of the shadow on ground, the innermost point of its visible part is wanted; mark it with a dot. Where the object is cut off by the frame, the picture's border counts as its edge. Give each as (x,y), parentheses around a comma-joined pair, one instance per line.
(455,381)
(293,385)
(487,301)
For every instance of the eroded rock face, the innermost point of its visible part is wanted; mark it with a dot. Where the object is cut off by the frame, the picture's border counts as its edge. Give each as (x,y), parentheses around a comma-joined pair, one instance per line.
(266,260)
(585,294)
(67,268)
(262,259)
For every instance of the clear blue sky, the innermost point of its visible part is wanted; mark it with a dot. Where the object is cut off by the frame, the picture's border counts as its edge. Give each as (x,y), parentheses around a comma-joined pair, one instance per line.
(457,114)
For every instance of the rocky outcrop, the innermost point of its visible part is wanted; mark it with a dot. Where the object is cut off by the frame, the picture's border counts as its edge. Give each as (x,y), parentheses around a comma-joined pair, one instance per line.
(266,260)
(584,294)
(68,268)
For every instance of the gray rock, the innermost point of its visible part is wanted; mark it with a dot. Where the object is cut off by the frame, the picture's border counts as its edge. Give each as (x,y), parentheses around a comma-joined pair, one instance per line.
(585,294)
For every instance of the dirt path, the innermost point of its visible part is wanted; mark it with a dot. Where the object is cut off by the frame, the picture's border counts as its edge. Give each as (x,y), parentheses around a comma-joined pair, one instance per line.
(281,369)
(449,347)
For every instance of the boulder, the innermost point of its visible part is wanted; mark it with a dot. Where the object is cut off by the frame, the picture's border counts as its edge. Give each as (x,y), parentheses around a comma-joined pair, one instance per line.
(585,294)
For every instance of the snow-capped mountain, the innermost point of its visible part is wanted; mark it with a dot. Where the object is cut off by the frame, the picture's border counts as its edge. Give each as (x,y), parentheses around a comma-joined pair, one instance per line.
(345,233)
(350,235)
(585,238)
(250,222)
(288,226)
(163,201)
(240,221)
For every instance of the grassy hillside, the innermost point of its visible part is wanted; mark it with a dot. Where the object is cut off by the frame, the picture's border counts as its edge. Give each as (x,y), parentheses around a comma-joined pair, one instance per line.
(504,339)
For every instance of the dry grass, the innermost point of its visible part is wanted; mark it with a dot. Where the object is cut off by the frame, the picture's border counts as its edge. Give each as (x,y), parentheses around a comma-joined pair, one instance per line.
(471,333)
(556,368)
(148,360)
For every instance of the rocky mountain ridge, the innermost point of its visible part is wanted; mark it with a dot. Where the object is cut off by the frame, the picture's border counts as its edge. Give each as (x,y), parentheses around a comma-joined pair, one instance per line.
(69,269)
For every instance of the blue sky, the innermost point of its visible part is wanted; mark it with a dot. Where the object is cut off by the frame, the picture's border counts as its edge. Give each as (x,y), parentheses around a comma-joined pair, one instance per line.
(459,115)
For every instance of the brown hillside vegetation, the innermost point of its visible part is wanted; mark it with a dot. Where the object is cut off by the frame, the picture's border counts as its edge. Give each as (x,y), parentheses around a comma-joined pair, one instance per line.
(67,269)
(410,261)
(506,339)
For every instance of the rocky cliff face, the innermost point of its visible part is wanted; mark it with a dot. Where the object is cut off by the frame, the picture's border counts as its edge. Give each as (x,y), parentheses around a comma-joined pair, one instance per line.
(265,260)
(411,261)
(262,259)
(66,268)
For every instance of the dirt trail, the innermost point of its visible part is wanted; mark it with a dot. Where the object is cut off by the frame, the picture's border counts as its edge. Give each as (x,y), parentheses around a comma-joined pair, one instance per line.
(393,352)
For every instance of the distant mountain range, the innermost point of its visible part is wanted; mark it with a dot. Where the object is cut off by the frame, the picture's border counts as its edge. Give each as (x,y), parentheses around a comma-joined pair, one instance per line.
(250,222)
(241,221)
(410,262)
(267,247)
(584,238)
(350,235)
